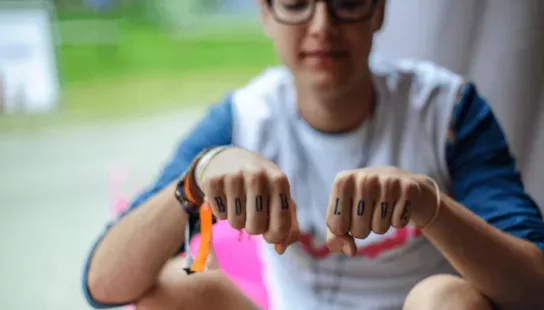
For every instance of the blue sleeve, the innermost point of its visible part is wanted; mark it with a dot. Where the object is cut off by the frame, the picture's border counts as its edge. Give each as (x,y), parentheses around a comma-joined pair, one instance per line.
(483,171)
(213,130)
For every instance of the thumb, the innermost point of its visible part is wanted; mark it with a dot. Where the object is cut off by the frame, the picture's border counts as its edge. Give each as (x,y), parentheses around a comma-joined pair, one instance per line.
(341,244)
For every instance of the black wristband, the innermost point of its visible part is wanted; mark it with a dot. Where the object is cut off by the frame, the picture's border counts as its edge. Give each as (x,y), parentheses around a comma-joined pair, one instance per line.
(187,205)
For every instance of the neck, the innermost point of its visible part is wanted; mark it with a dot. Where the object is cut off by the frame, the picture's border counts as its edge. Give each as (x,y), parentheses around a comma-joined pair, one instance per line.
(340,112)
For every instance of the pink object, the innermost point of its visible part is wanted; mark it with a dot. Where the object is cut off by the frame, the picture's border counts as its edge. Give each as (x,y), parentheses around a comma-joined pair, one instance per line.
(239,260)
(236,255)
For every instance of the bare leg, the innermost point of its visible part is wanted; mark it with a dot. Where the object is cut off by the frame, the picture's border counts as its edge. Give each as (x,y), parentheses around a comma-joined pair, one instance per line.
(208,290)
(445,292)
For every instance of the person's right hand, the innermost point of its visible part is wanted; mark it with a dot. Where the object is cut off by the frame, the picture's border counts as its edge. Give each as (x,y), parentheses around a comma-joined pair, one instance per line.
(251,192)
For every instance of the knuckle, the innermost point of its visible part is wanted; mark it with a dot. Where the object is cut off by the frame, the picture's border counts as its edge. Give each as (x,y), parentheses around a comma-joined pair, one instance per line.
(372,181)
(410,188)
(359,181)
(233,177)
(255,177)
(393,183)
(279,180)
(344,179)
(213,183)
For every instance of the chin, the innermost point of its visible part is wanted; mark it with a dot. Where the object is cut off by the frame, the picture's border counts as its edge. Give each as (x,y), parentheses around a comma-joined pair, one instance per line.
(327,82)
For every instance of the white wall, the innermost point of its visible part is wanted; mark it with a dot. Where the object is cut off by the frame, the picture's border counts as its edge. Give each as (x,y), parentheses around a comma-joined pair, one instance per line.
(498,44)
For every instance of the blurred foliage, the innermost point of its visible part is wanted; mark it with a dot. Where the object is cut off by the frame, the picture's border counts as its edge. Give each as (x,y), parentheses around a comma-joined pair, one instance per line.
(123,62)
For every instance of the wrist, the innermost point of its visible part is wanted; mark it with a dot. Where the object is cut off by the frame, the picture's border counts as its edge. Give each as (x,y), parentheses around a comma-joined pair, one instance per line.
(430,205)
(188,192)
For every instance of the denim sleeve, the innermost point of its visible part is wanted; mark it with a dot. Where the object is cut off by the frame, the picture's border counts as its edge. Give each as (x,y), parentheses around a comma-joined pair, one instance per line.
(483,171)
(214,129)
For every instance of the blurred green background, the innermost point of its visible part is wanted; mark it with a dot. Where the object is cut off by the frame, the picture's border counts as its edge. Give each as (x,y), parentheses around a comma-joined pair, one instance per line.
(139,57)
(134,79)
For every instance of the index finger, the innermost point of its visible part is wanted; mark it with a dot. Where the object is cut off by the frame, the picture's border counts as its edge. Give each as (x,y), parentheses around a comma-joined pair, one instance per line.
(340,203)
(294,233)
(279,227)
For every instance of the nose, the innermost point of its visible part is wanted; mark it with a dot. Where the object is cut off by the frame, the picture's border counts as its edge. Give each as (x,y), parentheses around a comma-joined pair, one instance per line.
(321,22)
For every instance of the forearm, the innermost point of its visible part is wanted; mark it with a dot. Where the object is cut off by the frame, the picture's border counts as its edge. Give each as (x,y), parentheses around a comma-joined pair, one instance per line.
(508,270)
(128,260)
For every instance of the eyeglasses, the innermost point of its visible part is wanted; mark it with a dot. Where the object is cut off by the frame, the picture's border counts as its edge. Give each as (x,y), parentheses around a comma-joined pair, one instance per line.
(296,12)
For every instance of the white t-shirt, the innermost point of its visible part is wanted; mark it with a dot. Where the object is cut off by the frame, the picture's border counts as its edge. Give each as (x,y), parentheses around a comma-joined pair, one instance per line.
(408,130)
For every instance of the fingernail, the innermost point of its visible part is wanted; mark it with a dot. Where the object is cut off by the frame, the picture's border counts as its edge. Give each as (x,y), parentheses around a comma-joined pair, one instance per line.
(280,248)
(347,250)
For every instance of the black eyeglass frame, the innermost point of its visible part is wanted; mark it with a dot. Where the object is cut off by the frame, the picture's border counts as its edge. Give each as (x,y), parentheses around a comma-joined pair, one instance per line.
(331,12)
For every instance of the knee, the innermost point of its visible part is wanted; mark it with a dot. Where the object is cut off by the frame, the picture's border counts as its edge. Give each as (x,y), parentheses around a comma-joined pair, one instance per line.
(445,292)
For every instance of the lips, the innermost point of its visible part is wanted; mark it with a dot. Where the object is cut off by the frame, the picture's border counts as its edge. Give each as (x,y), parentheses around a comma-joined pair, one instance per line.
(325,54)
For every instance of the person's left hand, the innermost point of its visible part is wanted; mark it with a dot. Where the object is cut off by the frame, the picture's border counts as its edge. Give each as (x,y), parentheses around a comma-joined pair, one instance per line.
(374,199)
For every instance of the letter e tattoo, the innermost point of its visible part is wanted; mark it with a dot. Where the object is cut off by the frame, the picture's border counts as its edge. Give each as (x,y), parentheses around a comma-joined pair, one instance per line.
(284,202)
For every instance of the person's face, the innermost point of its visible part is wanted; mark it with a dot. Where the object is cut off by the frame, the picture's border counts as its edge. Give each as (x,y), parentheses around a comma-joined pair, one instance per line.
(323,53)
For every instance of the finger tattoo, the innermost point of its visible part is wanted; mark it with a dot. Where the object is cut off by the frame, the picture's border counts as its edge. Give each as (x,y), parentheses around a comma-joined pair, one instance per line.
(337,207)
(238,206)
(259,203)
(406,210)
(284,202)
(384,208)
(361,207)
(220,204)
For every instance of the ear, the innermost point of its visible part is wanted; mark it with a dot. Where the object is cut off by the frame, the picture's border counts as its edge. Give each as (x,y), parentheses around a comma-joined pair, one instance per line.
(379,15)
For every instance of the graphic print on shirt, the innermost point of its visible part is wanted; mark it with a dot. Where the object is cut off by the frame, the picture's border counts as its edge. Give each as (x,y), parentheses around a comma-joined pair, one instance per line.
(397,239)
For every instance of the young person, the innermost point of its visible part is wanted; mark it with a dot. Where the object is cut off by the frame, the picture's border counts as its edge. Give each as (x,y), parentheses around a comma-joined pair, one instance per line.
(399,166)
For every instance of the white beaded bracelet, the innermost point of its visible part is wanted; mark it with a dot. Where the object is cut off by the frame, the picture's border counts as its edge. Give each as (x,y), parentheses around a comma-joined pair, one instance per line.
(205,160)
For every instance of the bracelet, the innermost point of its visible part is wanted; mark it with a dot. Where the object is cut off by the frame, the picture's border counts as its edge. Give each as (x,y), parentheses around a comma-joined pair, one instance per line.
(205,160)
(438,202)
(187,192)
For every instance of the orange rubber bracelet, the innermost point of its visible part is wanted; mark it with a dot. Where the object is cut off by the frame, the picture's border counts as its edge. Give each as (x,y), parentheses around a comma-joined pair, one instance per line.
(206,222)
(187,188)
